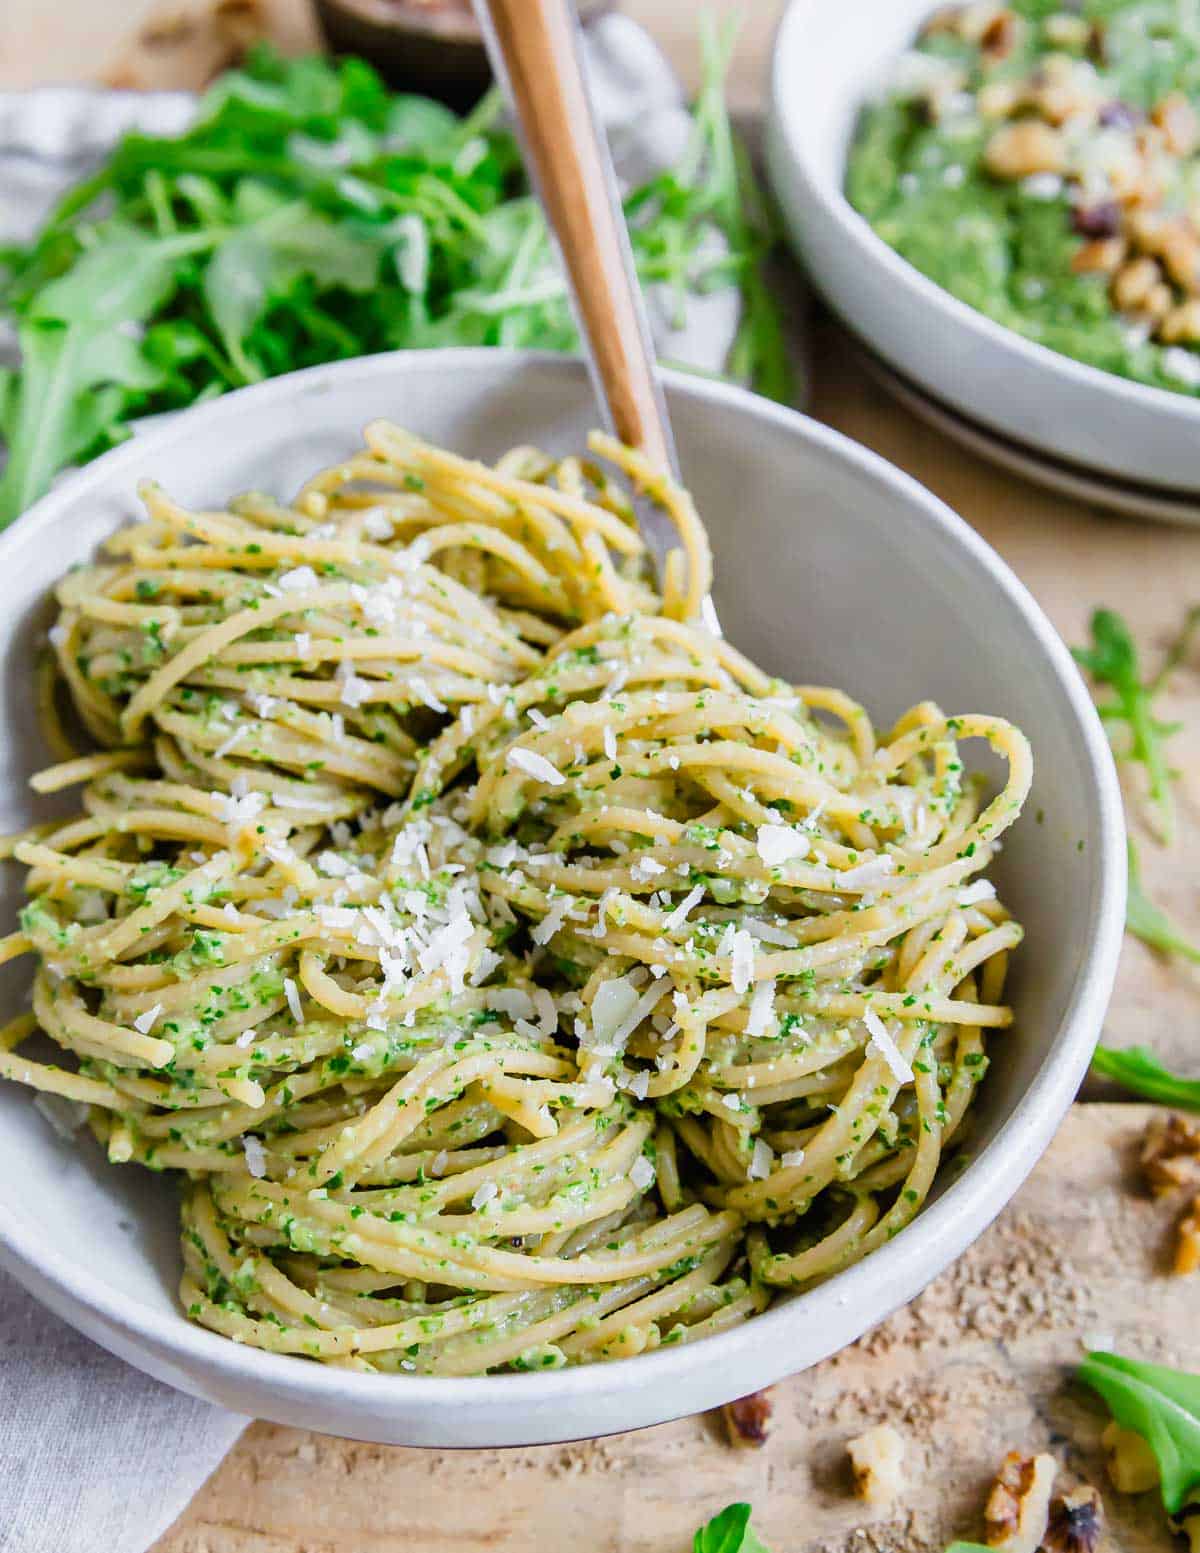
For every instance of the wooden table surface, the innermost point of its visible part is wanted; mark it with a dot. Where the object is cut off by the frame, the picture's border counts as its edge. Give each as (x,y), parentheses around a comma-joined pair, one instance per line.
(979,1363)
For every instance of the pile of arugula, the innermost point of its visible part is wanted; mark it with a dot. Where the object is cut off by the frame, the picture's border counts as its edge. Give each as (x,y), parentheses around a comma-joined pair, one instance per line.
(311,214)
(1113,661)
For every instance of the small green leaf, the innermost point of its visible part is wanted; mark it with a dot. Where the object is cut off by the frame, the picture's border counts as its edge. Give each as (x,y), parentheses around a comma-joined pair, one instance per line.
(118,282)
(1149,922)
(729,1532)
(1139,1070)
(1112,660)
(1161,1405)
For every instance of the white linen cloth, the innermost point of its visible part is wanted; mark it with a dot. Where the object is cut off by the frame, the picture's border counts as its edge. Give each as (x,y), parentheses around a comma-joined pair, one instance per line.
(94,1456)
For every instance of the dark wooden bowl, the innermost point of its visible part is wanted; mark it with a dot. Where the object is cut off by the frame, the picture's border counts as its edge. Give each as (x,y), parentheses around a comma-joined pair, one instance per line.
(429,46)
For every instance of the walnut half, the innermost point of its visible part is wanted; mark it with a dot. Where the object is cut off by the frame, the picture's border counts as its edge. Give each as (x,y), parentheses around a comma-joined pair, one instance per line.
(1171,1153)
(1018,1507)
(877,1459)
(748,1420)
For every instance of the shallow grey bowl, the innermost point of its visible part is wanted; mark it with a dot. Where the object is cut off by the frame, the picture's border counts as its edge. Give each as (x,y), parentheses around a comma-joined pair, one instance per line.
(831,566)
(829,61)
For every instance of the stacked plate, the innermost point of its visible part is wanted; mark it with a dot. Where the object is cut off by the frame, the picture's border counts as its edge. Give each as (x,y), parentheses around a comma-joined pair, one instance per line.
(1074,427)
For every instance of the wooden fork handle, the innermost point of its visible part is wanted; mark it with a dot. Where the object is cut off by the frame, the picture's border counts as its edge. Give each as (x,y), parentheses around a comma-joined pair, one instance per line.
(534,47)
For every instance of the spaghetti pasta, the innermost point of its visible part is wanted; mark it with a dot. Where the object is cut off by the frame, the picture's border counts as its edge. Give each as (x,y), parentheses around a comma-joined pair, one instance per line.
(510,973)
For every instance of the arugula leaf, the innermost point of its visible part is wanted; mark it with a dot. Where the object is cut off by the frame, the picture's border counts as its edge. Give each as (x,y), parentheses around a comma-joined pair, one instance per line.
(71,344)
(122,280)
(260,262)
(1149,922)
(1161,1405)
(729,1531)
(57,416)
(1139,1070)
(1112,660)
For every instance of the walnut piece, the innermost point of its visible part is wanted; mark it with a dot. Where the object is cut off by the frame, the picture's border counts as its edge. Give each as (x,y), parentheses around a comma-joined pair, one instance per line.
(1076,1521)
(1132,1465)
(999,37)
(1018,1507)
(1066,31)
(999,99)
(1135,282)
(1187,1245)
(748,1420)
(1103,256)
(1177,119)
(877,1459)
(1023,148)
(1171,1149)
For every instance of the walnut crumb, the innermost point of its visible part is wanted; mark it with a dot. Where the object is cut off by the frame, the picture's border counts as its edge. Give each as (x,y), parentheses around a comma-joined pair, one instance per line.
(1132,1465)
(877,1459)
(1018,1508)
(1187,1245)
(1187,1524)
(748,1420)
(1171,1153)
(1076,1522)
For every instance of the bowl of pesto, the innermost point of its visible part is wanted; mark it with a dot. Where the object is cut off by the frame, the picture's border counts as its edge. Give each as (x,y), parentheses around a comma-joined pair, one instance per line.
(1003,202)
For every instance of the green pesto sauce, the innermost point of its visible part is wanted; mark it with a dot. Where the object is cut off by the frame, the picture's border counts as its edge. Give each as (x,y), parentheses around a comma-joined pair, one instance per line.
(1005,248)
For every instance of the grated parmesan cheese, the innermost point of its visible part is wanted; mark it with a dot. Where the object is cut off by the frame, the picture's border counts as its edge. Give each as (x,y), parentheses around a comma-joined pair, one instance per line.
(866,875)
(484,1193)
(426,696)
(778,844)
(534,765)
(234,739)
(741,954)
(761,1160)
(377,524)
(882,1044)
(292,996)
(680,915)
(144,1023)
(762,1009)
(642,1173)
(256,1155)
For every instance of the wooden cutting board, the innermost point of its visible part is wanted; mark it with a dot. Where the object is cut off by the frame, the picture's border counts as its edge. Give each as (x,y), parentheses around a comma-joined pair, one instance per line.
(978,1364)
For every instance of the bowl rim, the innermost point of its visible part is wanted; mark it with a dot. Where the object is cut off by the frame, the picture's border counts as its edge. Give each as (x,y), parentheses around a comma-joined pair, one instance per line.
(857,230)
(903,1266)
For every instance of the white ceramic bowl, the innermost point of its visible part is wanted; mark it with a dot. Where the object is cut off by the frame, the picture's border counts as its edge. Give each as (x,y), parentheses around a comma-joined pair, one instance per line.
(831,59)
(831,566)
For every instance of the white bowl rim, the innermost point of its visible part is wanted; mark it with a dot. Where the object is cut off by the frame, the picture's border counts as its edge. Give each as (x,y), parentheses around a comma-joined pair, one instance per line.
(903,1266)
(856,229)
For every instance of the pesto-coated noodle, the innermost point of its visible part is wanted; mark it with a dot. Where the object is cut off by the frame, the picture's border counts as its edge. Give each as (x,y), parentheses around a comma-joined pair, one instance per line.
(513,974)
